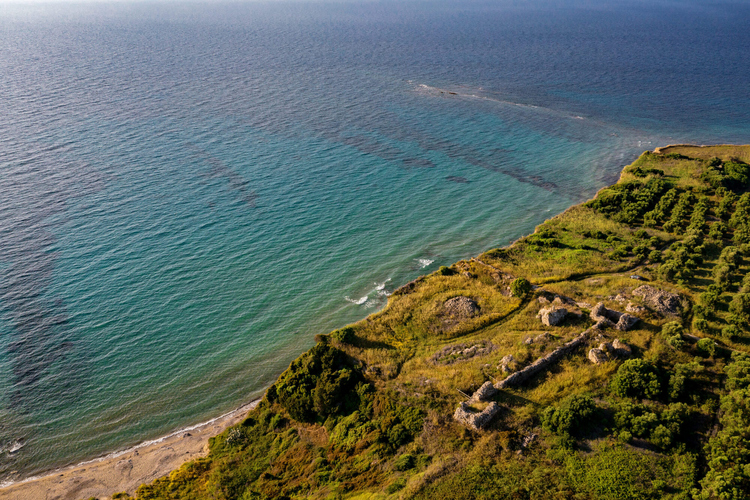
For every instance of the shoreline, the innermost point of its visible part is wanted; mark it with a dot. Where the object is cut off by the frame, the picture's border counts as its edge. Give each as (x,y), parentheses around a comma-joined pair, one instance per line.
(126,470)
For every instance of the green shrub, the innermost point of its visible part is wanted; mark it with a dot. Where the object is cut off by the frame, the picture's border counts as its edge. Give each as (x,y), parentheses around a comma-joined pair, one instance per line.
(700,325)
(732,256)
(725,206)
(662,437)
(343,336)
(672,332)
(680,378)
(709,299)
(730,332)
(405,462)
(445,271)
(728,453)
(641,251)
(317,384)
(740,306)
(676,342)
(520,287)
(737,174)
(717,231)
(636,378)
(397,485)
(707,347)
(628,202)
(654,256)
(672,328)
(569,415)
(619,473)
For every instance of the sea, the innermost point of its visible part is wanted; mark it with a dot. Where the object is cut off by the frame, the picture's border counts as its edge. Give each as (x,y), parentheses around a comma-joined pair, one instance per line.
(190,191)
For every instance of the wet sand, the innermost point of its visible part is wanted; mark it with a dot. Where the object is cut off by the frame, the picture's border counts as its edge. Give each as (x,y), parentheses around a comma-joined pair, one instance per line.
(126,470)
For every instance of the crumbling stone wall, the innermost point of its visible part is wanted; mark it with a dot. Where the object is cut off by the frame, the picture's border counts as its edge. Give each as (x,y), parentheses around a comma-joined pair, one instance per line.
(476,420)
(542,363)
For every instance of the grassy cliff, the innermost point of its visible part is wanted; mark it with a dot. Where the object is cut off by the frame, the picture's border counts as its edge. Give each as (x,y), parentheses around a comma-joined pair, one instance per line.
(368,412)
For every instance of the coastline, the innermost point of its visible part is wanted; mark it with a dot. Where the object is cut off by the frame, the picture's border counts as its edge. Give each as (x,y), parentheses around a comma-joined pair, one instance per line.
(127,469)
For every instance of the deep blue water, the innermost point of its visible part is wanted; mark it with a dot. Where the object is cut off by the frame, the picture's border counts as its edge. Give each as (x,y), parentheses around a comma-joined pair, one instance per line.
(189,192)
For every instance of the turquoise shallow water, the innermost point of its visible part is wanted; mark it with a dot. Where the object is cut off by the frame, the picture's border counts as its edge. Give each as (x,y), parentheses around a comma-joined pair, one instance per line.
(191,192)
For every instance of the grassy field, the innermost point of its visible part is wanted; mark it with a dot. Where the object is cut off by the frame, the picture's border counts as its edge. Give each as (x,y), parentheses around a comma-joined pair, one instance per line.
(368,412)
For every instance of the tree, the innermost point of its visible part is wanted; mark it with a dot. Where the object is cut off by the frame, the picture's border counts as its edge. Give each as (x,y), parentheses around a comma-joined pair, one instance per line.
(520,287)
(636,378)
(569,415)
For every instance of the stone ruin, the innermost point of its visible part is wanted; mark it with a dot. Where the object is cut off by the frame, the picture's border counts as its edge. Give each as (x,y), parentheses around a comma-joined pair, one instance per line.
(659,300)
(552,315)
(507,364)
(606,318)
(476,420)
(461,307)
(462,352)
(542,363)
(609,350)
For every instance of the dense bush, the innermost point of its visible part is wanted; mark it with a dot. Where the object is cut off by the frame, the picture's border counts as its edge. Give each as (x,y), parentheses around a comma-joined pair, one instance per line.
(445,271)
(740,308)
(679,213)
(343,335)
(679,380)
(620,473)
(707,346)
(317,384)
(682,259)
(741,216)
(659,214)
(636,378)
(627,202)
(730,332)
(717,231)
(709,299)
(568,417)
(737,174)
(520,287)
(725,205)
(733,174)
(700,325)
(662,429)
(644,172)
(729,451)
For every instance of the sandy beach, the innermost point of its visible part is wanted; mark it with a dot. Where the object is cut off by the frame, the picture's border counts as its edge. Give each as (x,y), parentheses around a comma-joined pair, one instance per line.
(128,469)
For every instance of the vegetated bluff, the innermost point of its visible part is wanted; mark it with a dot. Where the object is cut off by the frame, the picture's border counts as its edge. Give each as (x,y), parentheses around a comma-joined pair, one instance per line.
(660,409)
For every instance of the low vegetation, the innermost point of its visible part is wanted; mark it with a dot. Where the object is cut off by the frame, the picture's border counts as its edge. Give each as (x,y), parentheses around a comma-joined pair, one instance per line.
(368,412)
